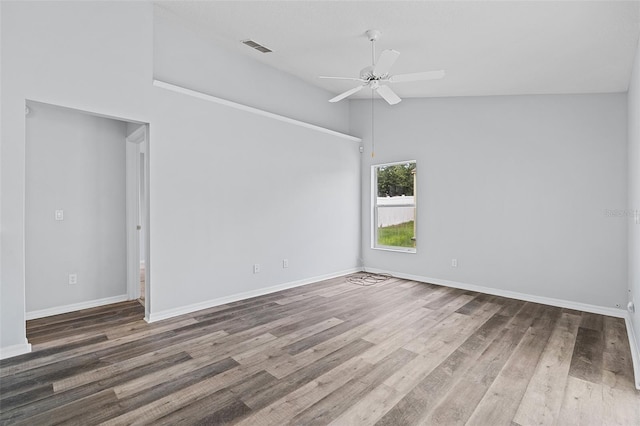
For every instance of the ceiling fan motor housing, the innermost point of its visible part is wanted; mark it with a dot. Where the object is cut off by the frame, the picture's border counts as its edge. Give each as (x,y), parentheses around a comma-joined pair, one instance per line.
(368,75)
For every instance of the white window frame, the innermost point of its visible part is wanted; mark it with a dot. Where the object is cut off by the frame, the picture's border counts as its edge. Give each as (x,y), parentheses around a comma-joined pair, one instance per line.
(374,209)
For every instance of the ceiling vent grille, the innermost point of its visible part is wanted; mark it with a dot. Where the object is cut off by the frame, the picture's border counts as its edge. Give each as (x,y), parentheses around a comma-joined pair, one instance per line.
(257,46)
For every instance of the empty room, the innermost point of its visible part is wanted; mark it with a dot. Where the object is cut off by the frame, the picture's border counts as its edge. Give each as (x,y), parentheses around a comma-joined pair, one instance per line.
(320,212)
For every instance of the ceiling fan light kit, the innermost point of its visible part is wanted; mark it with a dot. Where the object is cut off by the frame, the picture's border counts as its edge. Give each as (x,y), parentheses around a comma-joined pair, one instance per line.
(377,76)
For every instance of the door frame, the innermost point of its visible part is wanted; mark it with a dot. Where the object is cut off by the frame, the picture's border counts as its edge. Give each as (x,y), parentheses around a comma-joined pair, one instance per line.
(137,143)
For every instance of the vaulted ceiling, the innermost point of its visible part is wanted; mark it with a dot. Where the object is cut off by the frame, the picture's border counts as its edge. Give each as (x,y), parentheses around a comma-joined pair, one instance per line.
(485,47)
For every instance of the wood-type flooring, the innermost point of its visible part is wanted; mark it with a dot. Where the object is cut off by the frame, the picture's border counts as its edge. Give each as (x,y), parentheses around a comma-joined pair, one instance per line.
(395,353)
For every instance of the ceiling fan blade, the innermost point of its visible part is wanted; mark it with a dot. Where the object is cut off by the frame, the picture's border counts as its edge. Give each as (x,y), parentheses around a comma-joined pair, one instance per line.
(416,76)
(385,62)
(350,92)
(341,78)
(388,95)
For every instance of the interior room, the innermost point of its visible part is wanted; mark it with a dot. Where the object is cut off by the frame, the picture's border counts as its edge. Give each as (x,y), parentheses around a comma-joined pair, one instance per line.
(358,212)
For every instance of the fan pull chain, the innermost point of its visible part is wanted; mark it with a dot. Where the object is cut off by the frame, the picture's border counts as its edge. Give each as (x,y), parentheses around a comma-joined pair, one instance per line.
(373,149)
(373,63)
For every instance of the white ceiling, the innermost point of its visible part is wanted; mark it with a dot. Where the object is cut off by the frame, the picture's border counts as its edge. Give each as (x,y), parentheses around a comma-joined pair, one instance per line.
(485,47)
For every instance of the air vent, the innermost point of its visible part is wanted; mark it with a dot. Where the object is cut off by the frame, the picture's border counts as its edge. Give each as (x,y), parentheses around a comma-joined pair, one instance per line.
(257,46)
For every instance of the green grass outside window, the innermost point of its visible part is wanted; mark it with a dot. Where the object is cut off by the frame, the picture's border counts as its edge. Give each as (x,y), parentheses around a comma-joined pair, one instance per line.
(397,235)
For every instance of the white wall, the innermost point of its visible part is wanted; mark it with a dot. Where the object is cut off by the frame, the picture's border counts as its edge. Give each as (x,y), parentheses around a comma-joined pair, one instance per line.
(633,98)
(515,188)
(75,162)
(98,57)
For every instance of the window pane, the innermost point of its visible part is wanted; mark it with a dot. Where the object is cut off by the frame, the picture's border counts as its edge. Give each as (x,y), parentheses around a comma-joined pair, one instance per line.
(395,180)
(395,205)
(396,226)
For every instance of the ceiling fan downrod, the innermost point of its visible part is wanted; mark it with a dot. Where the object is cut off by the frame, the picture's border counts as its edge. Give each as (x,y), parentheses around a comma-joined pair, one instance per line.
(373,36)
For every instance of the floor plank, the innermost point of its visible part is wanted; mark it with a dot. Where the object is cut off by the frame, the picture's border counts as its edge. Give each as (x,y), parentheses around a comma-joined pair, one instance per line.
(395,353)
(541,402)
(582,403)
(500,403)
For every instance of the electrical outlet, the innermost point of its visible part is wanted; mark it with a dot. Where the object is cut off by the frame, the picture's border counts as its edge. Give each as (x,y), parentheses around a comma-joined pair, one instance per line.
(454,263)
(59,215)
(256,268)
(285,263)
(73,279)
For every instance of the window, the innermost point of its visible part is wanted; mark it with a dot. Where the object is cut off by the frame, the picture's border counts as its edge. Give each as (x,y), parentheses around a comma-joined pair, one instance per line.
(394,206)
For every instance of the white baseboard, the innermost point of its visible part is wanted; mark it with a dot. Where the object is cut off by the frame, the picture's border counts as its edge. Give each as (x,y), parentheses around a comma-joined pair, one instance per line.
(635,348)
(561,303)
(75,307)
(15,350)
(170,313)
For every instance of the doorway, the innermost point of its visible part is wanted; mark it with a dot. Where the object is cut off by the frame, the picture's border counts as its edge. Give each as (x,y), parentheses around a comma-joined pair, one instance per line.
(78,210)
(141,220)
(138,214)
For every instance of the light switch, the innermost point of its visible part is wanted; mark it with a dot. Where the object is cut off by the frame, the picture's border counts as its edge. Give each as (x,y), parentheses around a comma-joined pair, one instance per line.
(59,214)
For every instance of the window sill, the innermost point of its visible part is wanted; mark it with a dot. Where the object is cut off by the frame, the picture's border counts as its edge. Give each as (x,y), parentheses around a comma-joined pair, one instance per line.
(396,249)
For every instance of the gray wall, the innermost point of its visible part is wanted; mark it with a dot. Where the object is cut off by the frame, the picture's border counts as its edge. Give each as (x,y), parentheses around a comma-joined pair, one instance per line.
(98,57)
(186,58)
(75,162)
(232,189)
(515,188)
(633,98)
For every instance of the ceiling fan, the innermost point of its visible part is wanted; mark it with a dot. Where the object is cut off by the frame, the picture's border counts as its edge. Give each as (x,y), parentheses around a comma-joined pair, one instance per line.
(377,75)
